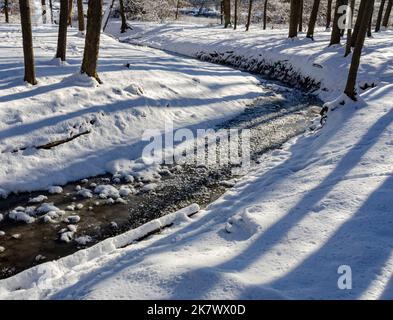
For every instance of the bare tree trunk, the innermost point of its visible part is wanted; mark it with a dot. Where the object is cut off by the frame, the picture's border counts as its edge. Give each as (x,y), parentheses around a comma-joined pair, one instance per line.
(336,32)
(387,14)
(301,7)
(222,11)
(227,13)
(313,19)
(236,7)
(380,15)
(51,11)
(350,89)
(62,36)
(25,16)
(92,41)
(249,15)
(81,16)
(370,23)
(358,23)
(7,18)
(70,8)
(43,5)
(294,18)
(177,10)
(124,25)
(349,31)
(265,15)
(109,15)
(329,14)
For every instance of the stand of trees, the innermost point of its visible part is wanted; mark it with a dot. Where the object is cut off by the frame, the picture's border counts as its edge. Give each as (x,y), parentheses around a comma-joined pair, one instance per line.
(342,22)
(92,41)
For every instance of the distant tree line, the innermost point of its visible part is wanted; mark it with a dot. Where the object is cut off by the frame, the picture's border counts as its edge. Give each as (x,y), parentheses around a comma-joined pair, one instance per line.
(368,15)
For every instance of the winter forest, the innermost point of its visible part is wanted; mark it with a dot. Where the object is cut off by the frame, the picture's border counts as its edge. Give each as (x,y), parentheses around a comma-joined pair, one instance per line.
(196,150)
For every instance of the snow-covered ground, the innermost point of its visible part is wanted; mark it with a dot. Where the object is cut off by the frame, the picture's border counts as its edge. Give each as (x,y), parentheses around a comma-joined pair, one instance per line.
(320,202)
(310,58)
(142,88)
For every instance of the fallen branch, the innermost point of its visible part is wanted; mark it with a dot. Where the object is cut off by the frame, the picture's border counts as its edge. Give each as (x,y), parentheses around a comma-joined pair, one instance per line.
(52,144)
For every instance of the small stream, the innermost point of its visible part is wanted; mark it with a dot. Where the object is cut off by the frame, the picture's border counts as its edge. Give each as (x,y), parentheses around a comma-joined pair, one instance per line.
(272,119)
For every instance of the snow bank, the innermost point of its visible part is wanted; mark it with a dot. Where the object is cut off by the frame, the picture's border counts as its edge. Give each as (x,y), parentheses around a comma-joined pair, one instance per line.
(268,52)
(108,120)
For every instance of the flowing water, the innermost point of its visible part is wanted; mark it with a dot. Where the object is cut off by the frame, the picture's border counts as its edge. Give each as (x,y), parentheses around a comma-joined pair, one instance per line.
(273,119)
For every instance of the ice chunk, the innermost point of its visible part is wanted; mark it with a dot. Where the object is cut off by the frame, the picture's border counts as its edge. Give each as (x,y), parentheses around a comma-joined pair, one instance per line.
(79,206)
(149,187)
(20,216)
(125,191)
(120,200)
(73,219)
(70,207)
(55,190)
(46,207)
(39,258)
(83,240)
(72,227)
(38,199)
(48,219)
(129,178)
(67,236)
(85,193)
(107,191)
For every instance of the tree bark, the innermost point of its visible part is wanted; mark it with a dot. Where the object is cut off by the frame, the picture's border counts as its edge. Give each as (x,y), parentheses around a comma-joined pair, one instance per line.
(227,13)
(236,7)
(43,5)
(177,10)
(380,15)
(51,11)
(336,32)
(62,36)
(387,14)
(109,15)
(313,19)
(124,25)
(7,18)
(92,41)
(329,14)
(370,23)
(27,36)
(301,7)
(70,8)
(294,18)
(350,89)
(250,3)
(222,11)
(265,15)
(81,16)
(358,23)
